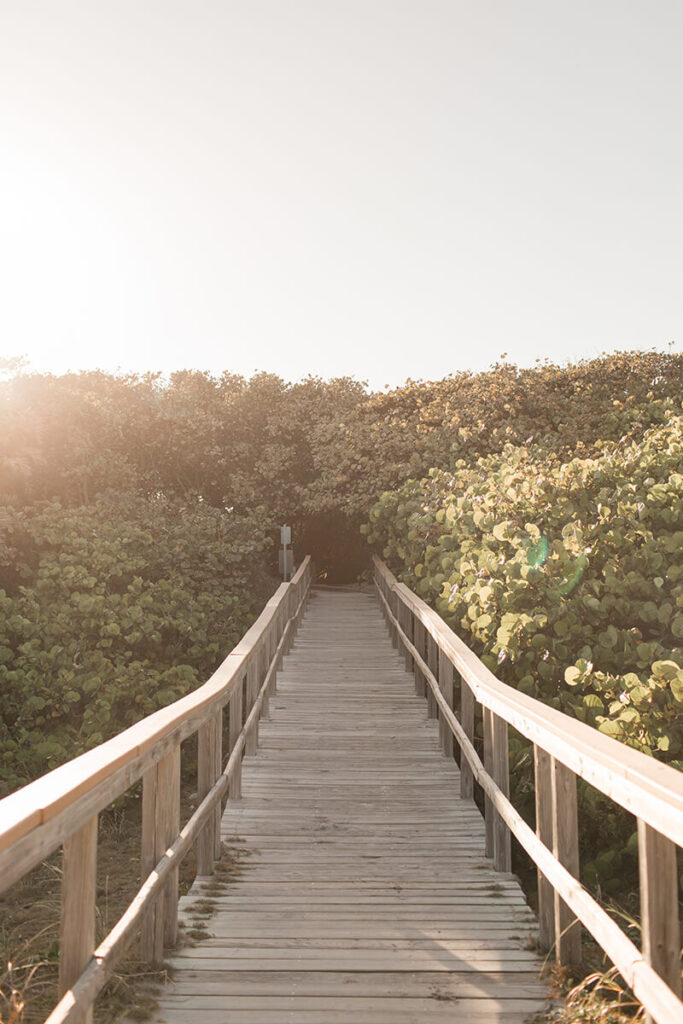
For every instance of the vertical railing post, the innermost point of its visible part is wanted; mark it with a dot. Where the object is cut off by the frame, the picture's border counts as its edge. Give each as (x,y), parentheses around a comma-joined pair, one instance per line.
(488,768)
(502,855)
(658,871)
(566,850)
(235,728)
(433,663)
(407,622)
(467,722)
(419,643)
(447,688)
(160,827)
(544,831)
(252,693)
(394,604)
(77,924)
(209,738)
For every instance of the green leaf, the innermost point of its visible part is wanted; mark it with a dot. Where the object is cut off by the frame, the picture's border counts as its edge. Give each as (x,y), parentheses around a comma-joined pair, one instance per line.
(572,675)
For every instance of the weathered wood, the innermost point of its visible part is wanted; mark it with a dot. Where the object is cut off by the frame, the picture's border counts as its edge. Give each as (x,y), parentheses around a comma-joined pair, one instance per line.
(646,984)
(252,690)
(502,857)
(419,634)
(566,849)
(447,688)
(659,905)
(167,814)
(648,789)
(487,725)
(433,663)
(235,727)
(467,720)
(77,923)
(363,857)
(160,827)
(208,770)
(544,831)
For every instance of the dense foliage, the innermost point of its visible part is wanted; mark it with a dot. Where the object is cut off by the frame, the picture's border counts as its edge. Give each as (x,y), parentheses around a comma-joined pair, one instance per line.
(109,612)
(565,576)
(138,526)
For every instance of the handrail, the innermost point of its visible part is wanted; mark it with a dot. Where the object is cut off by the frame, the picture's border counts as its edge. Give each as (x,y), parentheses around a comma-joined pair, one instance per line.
(564,749)
(61,808)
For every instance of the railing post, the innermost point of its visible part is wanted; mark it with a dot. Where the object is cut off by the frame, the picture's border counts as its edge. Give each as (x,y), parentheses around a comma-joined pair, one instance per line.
(419,643)
(77,924)
(394,604)
(160,826)
(433,663)
(502,856)
(544,831)
(235,728)
(447,688)
(407,624)
(467,722)
(659,905)
(252,693)
(208,769)
(488,768)
(566,850)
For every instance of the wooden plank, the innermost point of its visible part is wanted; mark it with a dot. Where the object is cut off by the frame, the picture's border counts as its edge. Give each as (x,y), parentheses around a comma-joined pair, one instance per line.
(502,858)
(360,862)
(446,675)
(488,766)
(235,728)
(544,831)
(208,769)
(77,922)
(659,905)
(467,720)
(566,850)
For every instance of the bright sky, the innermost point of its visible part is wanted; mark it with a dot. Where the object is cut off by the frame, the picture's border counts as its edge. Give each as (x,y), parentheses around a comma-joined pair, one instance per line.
(379,188)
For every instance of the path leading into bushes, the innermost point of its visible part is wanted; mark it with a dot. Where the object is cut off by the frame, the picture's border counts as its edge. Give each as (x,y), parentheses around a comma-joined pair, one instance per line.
(363,894)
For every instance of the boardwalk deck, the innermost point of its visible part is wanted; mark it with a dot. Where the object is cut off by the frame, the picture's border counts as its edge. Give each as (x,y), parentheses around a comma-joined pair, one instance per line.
(364,894)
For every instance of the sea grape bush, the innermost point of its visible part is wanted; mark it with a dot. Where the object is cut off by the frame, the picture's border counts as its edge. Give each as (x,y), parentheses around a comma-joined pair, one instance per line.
(109,612)
(563,575)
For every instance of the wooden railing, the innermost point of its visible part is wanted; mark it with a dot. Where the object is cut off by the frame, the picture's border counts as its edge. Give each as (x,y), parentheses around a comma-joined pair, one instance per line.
(61,808)
(563,749)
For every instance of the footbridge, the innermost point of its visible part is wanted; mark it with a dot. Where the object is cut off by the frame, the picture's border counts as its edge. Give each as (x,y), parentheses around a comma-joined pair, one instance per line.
(345,872)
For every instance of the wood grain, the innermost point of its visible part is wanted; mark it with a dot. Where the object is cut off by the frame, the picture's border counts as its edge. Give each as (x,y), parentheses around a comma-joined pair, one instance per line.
(363,891)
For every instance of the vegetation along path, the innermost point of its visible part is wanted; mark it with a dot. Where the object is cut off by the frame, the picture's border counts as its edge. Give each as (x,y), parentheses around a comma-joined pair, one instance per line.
(365,895)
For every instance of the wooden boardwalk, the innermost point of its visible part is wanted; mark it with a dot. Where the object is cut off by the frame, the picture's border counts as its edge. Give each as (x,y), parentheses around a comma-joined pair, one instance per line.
(364,893)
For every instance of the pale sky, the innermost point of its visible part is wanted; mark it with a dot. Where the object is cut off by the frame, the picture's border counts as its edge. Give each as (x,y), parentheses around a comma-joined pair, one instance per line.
(378,188)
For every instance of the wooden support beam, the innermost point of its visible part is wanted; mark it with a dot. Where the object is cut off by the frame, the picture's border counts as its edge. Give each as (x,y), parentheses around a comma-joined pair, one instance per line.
(467,722)
(208,769)
(160,827)
(661,940)
(488,767)
(433,664)
(235,727)
(446,676)
(406,623)
(544,831)
(77,923)
(419,643)
(502,856)
(253,684)
(566,849)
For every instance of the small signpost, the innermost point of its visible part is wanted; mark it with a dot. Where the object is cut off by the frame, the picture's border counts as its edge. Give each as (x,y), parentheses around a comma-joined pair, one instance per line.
(286,553)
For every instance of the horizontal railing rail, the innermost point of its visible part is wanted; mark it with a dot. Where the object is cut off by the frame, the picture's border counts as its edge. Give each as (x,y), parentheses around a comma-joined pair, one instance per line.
(62,807)
(564,749)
